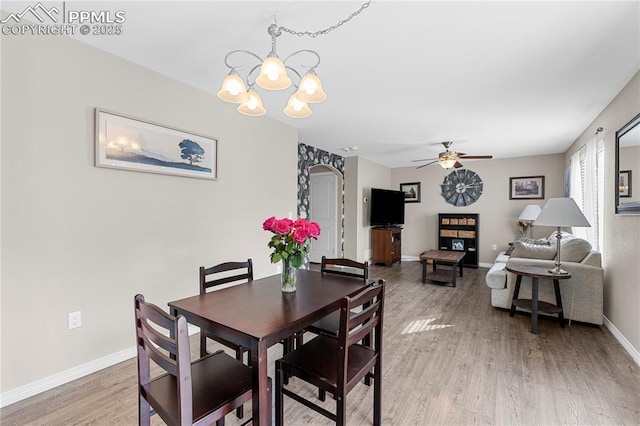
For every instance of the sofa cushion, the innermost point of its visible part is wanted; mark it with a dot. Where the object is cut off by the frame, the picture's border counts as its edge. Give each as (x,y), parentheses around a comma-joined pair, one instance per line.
(533,251)
(574,249)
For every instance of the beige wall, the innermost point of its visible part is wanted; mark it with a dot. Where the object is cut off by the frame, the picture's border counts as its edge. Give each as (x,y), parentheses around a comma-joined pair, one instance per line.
(621,233)
(76,237)
(498,214)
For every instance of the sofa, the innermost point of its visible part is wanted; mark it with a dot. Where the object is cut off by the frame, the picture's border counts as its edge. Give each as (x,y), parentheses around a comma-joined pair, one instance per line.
(582,294)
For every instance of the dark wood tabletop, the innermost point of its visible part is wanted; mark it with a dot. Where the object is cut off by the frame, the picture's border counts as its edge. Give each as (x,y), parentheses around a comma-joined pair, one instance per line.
(258,315)
(448,256)
(536,272)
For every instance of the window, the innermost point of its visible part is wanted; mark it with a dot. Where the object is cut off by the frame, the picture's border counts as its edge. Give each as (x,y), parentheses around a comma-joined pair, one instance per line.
(587,189)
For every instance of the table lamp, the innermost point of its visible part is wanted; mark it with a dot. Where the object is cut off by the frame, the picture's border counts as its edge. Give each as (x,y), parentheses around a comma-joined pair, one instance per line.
(527,217)
(561,212)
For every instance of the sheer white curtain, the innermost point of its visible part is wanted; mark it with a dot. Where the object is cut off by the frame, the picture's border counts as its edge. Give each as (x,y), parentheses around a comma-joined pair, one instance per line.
(587,188)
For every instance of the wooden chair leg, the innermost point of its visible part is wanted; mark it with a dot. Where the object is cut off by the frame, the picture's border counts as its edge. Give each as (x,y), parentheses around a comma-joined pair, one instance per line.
(322,395)
(203,345)
(377,395)
(341,412)
(239,410)
(144,412)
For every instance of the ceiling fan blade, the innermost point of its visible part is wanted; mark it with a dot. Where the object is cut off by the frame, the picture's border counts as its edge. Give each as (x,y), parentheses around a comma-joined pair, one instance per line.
(458,165)
(424,165)
(477,157)
(424,159)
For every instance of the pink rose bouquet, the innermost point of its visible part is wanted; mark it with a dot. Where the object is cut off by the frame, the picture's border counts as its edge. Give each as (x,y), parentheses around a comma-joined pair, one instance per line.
(290,238)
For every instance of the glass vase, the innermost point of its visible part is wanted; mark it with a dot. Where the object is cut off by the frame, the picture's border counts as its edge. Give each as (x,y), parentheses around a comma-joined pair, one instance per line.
(288,277)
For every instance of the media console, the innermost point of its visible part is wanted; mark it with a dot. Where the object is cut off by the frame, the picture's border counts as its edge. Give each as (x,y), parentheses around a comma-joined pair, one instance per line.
(386,245)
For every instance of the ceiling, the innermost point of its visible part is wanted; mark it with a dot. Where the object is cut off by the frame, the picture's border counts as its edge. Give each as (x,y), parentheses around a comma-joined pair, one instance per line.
(504,78)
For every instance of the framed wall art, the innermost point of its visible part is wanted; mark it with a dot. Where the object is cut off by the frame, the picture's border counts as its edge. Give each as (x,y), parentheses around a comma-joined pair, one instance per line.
(624,183)
(526,188)
(411,192)
(127,143)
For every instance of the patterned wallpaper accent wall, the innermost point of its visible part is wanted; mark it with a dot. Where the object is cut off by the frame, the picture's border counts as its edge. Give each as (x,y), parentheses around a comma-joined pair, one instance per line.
(309,156)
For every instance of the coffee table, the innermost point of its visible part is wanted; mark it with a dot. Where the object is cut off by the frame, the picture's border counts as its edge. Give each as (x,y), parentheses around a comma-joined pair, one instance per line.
(533,305)
(443,257)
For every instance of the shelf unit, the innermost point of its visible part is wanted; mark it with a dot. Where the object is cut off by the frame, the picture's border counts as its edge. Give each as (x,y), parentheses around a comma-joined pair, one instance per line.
(386,244)
(460,232)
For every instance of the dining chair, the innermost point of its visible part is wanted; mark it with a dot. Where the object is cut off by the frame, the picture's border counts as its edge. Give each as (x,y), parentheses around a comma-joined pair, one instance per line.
(215,276)
(331,323)
(218,275)
(199,392)
(337,364)
(339,266)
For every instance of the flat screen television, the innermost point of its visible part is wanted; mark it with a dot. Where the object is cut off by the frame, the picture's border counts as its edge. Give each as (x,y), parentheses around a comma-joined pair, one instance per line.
(387,207)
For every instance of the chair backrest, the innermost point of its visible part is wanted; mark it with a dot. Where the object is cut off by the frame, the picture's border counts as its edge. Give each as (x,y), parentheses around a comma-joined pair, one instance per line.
(154,345)
(352,268)
(206,274)
(360,316)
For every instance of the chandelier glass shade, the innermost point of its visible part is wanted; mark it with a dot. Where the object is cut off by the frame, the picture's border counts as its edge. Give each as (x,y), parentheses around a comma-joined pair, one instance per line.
(274,74)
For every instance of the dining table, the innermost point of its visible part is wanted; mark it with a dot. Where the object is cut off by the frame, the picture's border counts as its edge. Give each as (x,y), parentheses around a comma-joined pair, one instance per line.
(258,315)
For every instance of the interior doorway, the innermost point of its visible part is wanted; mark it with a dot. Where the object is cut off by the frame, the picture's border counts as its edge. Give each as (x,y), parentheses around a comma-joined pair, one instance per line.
(325,208)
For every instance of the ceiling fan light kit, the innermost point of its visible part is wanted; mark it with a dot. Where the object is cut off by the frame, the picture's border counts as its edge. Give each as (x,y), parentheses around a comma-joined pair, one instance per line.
(449,159)
(273,75)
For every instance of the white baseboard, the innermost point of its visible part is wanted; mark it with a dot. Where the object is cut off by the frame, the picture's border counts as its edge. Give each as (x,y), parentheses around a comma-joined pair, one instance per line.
(623,340)
(23,392)
(39,386)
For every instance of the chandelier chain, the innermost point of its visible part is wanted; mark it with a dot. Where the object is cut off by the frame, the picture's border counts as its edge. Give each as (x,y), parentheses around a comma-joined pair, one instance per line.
(329,29)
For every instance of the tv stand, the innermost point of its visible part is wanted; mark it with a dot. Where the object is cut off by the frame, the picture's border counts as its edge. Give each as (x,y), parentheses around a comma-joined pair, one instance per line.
(386,245)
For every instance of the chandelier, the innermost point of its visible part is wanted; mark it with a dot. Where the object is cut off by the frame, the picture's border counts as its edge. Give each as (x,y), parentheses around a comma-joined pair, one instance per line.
(272,73)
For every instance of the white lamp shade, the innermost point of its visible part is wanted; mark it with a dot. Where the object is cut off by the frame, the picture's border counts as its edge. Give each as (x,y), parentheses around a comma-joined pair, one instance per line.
(310,89)
(273,75)
(297,108)
(561,212)
(530,212)
(253,106)
(233,89)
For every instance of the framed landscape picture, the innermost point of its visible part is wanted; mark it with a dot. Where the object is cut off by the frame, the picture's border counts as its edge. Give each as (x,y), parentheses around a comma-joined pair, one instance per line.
(526,188)
(128,143)
(411,192)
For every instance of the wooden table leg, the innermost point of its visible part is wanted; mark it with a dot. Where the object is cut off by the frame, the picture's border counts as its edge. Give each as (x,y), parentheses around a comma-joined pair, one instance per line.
(454,274)
(516,292)
(424,272)
(261,404)
(556,287)
(534,305)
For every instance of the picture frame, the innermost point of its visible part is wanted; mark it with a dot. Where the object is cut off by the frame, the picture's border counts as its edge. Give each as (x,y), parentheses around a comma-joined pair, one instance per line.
(457,244)
(128,143)
(624,184)
(526,188)
(411,192)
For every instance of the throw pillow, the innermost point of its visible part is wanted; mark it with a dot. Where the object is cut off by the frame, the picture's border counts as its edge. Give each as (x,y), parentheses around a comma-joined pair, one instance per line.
(533,251)
(574,249)
(538,242)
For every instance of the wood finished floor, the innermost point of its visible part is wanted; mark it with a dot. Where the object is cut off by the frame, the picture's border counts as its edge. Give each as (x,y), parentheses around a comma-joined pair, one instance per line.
(449,359)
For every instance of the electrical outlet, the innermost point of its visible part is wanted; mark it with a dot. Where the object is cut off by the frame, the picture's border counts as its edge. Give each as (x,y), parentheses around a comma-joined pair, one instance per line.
(494,247)
(75,319)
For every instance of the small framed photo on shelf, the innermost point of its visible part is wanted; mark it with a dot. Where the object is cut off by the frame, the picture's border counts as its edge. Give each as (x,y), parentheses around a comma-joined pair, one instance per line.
(624,183)
(457,245)
(526,188)
(411,192)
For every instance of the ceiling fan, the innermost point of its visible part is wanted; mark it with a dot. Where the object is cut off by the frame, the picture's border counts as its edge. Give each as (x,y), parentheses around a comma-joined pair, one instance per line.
(449,159)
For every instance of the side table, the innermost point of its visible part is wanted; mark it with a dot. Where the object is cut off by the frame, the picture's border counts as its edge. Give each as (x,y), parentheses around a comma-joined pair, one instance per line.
(535,306)
(445,257)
